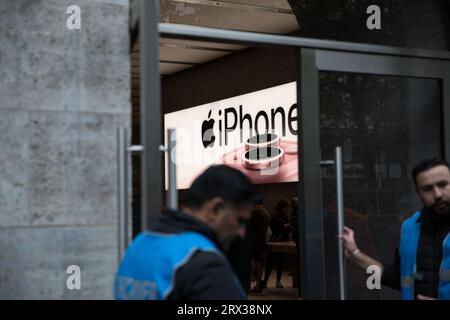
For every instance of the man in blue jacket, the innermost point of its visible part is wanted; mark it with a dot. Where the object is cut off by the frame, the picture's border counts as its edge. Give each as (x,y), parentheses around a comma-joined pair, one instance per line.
(421,268)
(181,257)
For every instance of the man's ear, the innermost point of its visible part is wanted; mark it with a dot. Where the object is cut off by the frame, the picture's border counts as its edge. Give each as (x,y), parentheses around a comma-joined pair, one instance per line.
(216,203)
(211,208)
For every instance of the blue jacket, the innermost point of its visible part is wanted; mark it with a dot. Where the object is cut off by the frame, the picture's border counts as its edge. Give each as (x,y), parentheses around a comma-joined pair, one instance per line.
(179,260)
(409,241)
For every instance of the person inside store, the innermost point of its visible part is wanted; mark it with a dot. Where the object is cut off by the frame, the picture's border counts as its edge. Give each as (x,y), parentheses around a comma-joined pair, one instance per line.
(259,224)
(281,231)
(421,266)
(295,237)
(181,257)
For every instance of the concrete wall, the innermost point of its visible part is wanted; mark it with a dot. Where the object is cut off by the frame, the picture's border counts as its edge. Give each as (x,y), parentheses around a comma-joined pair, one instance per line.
(63,93)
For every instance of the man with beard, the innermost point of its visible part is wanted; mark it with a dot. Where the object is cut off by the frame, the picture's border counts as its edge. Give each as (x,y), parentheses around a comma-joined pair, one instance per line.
(421,268)
(181,257)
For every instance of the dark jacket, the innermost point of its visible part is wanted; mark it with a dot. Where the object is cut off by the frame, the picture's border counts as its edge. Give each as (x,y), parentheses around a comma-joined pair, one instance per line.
(280,228)
(433,231)
(205,275)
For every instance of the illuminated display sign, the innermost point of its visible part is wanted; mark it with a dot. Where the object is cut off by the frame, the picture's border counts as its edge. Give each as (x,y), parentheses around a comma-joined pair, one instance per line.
(255,133)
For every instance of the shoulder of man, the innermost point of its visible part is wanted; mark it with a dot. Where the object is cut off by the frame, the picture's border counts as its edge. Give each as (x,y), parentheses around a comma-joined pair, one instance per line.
(206,275)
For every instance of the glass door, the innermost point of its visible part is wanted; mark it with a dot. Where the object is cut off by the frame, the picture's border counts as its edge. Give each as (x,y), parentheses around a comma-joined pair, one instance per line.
(385,119)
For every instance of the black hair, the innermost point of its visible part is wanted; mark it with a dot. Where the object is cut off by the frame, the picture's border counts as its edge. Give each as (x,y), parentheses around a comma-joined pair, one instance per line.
(427,164)
(280,207)
(221,181)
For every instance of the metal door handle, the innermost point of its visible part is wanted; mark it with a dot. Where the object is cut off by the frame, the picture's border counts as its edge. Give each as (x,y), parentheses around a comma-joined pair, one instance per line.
(122,189)
(337,162)
(172,170)
(340,220)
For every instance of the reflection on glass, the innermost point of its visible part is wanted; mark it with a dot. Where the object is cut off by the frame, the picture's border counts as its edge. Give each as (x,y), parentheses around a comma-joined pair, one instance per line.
(414,24)
(385,125)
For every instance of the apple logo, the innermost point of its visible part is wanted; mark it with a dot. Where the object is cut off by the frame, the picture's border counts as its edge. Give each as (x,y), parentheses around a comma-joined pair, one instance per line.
(208,137)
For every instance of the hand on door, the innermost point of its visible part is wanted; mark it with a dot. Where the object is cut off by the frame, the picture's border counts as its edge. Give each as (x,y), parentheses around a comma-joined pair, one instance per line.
(349,242)
(351,251)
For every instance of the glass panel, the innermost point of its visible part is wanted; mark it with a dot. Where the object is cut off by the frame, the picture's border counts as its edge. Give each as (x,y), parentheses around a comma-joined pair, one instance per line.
(229,94)
(203,81)
(385,125)
(414,24)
